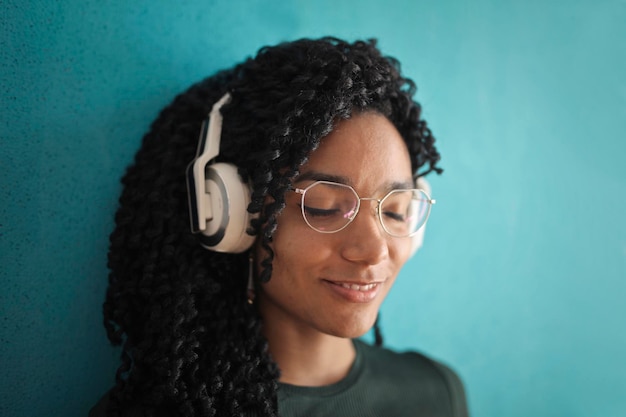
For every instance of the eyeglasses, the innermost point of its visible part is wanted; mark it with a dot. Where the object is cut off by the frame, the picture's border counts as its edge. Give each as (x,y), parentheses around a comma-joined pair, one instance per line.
(329,207)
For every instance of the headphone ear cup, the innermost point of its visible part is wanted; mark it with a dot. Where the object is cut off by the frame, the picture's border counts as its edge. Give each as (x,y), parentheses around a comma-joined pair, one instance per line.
(227,197)
(418,239)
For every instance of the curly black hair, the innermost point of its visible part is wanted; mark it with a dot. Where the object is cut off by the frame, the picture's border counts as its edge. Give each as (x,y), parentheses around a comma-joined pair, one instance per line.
(191,344)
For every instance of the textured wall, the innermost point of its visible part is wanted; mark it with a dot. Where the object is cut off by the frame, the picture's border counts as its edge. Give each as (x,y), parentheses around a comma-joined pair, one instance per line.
(521,280)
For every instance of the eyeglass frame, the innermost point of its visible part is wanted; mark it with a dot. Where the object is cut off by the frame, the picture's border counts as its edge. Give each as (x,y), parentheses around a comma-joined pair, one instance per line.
(302,192)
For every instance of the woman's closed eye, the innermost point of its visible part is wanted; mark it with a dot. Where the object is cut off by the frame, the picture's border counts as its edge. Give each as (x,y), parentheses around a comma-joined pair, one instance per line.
(318,212)
(395,216)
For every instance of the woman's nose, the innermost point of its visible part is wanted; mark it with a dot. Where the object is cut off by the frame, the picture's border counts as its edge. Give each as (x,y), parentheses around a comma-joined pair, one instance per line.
(364,239)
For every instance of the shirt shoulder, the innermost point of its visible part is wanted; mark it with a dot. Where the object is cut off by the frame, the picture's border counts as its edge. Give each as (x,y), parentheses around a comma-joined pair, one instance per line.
(426,382)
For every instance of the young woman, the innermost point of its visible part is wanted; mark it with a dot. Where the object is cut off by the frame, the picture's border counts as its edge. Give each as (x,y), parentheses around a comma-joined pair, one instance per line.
(263,222)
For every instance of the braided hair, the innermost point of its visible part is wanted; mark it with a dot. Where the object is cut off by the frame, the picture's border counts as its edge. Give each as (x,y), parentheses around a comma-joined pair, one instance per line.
(191,344)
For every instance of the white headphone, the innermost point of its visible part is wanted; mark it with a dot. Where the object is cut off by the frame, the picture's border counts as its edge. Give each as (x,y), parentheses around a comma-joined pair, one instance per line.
(418,238)
(218,198)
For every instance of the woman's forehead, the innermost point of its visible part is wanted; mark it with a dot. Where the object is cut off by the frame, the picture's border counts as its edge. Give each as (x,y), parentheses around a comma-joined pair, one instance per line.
(366,147)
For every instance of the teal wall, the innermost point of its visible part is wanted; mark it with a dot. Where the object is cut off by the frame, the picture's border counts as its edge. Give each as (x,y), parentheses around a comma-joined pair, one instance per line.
(521,282)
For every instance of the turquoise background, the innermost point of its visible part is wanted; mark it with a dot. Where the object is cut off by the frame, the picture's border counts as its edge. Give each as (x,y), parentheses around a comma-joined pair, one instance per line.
(521,283)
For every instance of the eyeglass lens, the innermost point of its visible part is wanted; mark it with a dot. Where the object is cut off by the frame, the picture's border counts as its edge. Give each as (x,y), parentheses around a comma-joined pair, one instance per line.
(329,207)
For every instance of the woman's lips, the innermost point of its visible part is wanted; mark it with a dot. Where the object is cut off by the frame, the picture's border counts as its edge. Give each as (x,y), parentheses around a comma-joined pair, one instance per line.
(358,287)
(354,292)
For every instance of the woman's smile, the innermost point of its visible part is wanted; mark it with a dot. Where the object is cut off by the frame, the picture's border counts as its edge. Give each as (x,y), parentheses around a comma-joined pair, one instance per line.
(355,293)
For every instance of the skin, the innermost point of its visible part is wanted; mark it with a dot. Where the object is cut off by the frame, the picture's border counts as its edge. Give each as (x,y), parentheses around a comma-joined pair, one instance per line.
(309,317)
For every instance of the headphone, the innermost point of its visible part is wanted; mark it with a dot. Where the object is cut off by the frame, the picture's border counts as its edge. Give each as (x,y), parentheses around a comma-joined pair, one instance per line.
(218,198)
(418,238)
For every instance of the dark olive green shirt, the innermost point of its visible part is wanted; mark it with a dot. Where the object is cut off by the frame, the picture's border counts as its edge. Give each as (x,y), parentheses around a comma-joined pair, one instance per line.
(381,383)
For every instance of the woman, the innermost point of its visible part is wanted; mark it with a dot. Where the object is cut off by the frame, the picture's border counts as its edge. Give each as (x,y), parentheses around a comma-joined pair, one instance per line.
(322,143)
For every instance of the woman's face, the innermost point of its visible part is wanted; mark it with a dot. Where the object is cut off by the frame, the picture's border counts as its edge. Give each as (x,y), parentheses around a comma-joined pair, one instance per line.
(335,283)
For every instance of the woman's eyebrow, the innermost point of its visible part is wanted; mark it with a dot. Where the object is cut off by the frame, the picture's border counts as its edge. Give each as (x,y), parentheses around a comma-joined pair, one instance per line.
(401,185)
(321,176)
